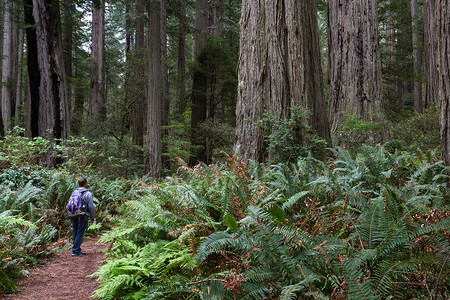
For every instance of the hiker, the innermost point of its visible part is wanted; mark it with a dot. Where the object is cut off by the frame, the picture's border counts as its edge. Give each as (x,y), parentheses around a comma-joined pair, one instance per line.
(80,222)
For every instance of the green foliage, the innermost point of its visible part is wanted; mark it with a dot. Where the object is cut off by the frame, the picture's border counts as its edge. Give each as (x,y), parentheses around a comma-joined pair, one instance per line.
(290,138)
(376,218)
(217,137)
(354,132)
(20,243)
(417,131)
(20,151)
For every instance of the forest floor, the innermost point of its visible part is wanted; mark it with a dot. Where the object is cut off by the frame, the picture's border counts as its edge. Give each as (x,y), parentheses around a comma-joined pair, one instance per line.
(62,276)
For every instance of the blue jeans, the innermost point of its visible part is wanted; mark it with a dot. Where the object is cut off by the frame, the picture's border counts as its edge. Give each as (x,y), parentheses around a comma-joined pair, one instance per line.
(78,227)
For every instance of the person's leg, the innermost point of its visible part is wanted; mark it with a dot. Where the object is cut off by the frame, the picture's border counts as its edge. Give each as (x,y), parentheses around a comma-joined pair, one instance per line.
(74,232)
(79,226)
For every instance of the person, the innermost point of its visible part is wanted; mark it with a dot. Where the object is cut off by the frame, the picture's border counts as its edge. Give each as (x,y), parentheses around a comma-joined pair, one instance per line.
(80,224)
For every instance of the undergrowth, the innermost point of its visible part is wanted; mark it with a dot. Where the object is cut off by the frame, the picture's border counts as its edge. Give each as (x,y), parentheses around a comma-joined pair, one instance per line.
(370,226)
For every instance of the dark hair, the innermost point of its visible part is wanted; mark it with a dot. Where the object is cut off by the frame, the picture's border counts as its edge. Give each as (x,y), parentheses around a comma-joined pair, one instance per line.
(82,181)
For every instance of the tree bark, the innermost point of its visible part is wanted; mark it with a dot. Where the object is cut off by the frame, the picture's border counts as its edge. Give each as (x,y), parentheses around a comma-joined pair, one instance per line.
(154,101)
(53,112)
(10,62)
(181,87)
(97,110)
(442,54)
(139,84)
(33,70)
(69,10)
(416,58)
(430,46)
(165,106)
(354,63)
(18,116)
(279,67)
(207,24)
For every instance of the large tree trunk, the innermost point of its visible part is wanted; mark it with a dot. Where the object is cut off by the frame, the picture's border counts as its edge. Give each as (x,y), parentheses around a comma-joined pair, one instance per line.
(69,11)
(154,93)
(53,119)
(416,58)
(279,67)
(53,112)
(97,110)
(354,62)
(430,46)
(442,54)
(10,62)
(138,86)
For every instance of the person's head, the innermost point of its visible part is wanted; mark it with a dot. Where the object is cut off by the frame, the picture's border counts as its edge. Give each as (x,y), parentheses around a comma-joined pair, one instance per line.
(82,182)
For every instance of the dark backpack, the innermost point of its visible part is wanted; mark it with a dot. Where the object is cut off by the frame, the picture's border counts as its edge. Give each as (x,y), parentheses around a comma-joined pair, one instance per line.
(76,206)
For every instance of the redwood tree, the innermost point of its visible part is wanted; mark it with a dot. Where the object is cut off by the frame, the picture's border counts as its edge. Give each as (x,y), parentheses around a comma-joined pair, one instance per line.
(279,68)
(52,111)
(154,92)
(355,85)
(10,58)
(97,101)
(442,54)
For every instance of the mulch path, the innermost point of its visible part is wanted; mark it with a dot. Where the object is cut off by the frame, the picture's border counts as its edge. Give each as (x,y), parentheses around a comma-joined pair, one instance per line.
(63,276)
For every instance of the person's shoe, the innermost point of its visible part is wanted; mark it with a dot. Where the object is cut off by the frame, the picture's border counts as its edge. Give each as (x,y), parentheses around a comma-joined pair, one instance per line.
(79,254)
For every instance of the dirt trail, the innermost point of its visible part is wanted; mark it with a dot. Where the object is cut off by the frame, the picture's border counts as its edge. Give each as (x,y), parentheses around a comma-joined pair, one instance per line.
(63,276)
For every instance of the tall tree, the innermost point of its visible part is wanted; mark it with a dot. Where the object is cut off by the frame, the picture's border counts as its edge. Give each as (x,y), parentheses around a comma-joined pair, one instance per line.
(138,86)
(52,112)
(417,58)
(442,54)
(165,106)
(181,87)
(10,61)
(97,107)
(207,24)
(33,70)
(354,62)
(430,50)
(68,20)
(279,68)
(154,92)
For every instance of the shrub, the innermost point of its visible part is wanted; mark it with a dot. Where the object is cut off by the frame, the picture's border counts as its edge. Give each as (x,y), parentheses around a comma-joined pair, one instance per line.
(290,138)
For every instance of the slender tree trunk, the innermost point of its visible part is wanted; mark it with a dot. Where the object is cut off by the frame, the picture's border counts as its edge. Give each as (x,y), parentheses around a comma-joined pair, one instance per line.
(278,51)
(19,75)
(354,62)
(181,87)
(138,86)
(442,54)
(154,101)
(430,46)
(416,58)
(165,83)
(97,110)
(33,69)
(199,81)
(10,62)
